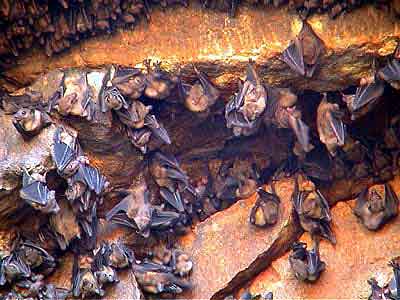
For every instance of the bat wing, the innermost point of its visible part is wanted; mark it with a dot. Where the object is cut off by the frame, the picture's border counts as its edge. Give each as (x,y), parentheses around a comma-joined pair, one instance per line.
(338,128)
(327,232)
(163,219)
(302,132)
(360,203)
(121,206)
(391,72)
(174,199)
(293,57)
(392,202)
(168,160)
(93,178)
(325,206)
(367,94)
(62,155)
(157,129)
(36,192)
(251,74)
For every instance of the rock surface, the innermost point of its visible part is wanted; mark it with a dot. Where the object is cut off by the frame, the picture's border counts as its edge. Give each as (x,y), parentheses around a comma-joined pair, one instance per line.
(227,250)
(359,255)
(16,154)
(221,46)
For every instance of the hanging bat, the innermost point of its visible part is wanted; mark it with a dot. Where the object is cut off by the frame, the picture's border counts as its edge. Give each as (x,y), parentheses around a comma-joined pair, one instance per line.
(369,91)
(157,128)
(120,255)
(159,83)
(265,211)
(37,195)
(313,210)
(158,282)
(376,205)
(134,115)
(134,210)
(201,96)
(92,178)
(330,127)
(173,198)
(140,138)
(29,122)
(84,282)
(13,268)
(303,54)
(130,82)
(306,265)
(65,158)
(244,109)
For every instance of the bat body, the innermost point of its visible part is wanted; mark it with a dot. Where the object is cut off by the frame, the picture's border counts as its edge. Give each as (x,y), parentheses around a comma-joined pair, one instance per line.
(367,95)
(157,129)
(313,210)
(201,96)
(29,122)
(282,113)
(306,264)
(265,211)
(376,206)
(243,111)
(13,268)
(140,138)
(120,255)
(134,210)
(303,54)
(377,292)
(134,115)
(158,282)
(158,83)
(37,195)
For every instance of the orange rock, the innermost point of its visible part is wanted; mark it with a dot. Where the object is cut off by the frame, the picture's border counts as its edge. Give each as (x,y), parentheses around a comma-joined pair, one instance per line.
(358,255)
(181,36)
(227,250)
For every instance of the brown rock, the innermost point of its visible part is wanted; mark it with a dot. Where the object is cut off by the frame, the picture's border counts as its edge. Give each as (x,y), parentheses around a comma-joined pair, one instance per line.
(359,255)
(16,154)
(221,46)
(227,250)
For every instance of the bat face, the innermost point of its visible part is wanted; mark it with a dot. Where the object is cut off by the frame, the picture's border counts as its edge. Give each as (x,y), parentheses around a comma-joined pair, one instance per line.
(106,275)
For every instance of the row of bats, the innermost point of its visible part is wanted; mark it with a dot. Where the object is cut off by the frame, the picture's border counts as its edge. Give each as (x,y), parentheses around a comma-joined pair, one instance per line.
(56,25)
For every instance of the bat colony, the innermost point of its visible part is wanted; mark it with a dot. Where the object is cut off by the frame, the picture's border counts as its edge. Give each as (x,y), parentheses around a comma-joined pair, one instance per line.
(80,188)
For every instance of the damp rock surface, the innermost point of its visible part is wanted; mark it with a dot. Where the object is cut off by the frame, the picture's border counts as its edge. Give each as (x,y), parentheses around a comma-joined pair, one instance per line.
(222,46)
(358,255)
(227,250)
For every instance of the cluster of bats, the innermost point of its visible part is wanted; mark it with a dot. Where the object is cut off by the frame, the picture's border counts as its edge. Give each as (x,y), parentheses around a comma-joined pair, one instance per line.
(123,94)
(55,25)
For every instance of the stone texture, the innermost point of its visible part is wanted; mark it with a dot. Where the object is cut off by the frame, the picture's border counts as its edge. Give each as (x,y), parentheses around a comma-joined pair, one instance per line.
(359,255)
(227,250)
(221,46)
(16,154)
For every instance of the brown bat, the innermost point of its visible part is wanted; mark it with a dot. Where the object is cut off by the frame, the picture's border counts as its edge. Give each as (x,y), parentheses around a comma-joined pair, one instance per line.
(303,54)
(330,127)
(29,121)
(134,210)
(201,96)
(376,206)
(243,111)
